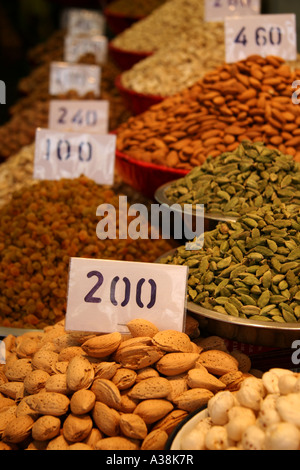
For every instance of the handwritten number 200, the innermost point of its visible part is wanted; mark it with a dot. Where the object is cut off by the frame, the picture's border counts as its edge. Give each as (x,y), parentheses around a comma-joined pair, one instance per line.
(90,298)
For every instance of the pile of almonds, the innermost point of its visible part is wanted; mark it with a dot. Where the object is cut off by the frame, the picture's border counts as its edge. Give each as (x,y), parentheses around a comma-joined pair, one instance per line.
(247,100)
(61,390)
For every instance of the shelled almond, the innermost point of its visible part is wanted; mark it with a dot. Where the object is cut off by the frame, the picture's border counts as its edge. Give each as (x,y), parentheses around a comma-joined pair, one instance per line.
(52,404)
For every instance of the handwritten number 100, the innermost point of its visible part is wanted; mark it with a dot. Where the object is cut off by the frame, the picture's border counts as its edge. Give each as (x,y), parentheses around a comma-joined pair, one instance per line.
(90,297)
(64,150)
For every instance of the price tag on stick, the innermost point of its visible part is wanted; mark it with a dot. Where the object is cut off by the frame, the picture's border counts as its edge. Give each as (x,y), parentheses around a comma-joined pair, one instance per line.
(78,77)
(81,22)
(217,10)
(79,116)
(76,47)
(104,295)
(261,35)
(69,155)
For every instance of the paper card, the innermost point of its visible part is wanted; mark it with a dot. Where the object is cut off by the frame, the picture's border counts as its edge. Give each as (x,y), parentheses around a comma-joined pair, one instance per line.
(78,77)
(76,47)
(81,22)
(104,295)
(262,35)
(217,10)
(69,155)
(90,116)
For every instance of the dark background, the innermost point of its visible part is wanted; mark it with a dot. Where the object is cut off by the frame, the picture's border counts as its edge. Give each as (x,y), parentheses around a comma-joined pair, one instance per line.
(25,23)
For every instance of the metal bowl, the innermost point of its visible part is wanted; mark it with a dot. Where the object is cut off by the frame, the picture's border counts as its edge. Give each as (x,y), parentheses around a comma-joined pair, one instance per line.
(263,334)
(210,219)
(186,425)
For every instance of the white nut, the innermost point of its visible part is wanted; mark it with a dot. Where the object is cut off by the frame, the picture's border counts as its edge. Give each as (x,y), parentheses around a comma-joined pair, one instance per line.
(251,393)
(253,438)
(268,414)
(287,383)
(282,436)
(288,408)
(216,438)
(239,420)
(219,405)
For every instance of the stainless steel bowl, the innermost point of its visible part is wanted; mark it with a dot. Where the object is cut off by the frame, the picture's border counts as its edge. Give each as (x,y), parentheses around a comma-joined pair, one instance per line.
(264,334)
(212,219)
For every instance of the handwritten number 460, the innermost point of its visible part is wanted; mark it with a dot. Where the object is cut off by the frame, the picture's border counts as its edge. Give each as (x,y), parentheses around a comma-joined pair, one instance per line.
(90,297)
(262,36)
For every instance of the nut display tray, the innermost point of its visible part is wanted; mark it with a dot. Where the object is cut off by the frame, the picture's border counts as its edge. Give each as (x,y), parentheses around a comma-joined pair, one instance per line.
(265,334)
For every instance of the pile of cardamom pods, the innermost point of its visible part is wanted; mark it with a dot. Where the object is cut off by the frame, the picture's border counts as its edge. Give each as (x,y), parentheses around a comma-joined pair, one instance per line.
(249,268)
(236,182)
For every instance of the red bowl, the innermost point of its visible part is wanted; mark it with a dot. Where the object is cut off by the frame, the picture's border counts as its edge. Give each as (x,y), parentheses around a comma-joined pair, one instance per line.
(145,177)
(126,59)
(136,103)
(118,22)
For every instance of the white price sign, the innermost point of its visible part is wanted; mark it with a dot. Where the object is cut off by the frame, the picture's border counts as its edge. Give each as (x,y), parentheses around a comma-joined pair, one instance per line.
(78,77)
(76,47)
(79,116)
(81,22)
(261,35)
(217,10)
(104,295)
(69,155)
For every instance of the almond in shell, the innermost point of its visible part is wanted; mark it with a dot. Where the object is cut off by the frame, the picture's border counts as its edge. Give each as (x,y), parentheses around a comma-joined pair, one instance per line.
(173,341)
(77,428)
(137,353)
(49,403)
(176,363)
(116,443)
(193,399)
(218,362)
(133,426)
(80,373)
(18,429)
(197,378)
(141,327)
(82,402)
(155,387)
(106,419)
(156,440)
(107,392)
(103,345)
(46,428)
(153,410)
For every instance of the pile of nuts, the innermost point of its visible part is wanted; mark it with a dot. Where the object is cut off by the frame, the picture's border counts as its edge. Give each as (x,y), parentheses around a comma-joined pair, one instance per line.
(264,414)
(174,19)
(177,66)
(40,229)
(235,183)
(248,100)
(77,391)
(249,268)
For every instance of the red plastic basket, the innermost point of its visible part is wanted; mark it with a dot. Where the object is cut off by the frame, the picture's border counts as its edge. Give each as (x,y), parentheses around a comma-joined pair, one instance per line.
(126,59)
(136,103)
(145,177)
(118,22)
